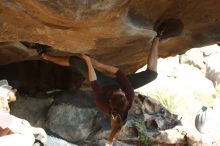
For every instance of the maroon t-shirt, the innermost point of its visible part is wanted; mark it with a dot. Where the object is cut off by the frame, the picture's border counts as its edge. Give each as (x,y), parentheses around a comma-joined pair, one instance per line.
(102,94)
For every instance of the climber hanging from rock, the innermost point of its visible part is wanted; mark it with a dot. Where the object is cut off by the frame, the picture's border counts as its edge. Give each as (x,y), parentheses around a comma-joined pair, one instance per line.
(113,95)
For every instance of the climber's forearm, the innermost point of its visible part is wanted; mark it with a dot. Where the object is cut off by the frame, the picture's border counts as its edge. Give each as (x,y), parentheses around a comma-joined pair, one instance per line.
(91,71)
(92,74)
(153,56)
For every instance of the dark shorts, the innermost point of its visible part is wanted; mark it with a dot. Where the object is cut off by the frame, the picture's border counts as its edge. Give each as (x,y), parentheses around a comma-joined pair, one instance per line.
(137,80)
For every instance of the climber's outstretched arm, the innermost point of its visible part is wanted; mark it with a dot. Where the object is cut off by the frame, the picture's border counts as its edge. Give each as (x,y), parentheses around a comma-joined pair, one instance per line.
(91,71)
(153,55)
(60,60)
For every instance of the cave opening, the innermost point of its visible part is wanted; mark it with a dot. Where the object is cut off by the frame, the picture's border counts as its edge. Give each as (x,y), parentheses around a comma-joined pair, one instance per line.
(38,76)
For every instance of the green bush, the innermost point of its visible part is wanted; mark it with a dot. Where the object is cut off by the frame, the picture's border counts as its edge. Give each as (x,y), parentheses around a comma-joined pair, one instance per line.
(143,138)
(168,99)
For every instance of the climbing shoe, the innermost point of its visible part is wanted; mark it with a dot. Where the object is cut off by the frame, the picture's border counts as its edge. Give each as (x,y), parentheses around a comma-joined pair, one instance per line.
(161,30)
(168,28)
(41,48)
(38,47)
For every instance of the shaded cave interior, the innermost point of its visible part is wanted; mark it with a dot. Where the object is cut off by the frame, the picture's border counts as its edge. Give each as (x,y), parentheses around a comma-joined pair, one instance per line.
(33,77)
(26,71)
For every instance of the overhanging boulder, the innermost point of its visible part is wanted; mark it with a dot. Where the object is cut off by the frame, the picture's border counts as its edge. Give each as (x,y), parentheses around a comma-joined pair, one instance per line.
(112,30)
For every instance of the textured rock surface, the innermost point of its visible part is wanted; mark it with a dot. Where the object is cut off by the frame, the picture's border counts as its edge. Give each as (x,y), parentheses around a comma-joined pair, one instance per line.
(110,29)
(37,107)
(72,115)
(73,123)
(207,59)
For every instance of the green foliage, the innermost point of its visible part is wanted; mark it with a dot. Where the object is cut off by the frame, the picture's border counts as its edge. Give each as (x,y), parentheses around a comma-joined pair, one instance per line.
(176,102)
(143,138)
(168,99)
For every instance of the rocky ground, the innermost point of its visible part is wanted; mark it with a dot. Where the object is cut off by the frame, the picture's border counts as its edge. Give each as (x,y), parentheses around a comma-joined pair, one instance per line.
(74,118)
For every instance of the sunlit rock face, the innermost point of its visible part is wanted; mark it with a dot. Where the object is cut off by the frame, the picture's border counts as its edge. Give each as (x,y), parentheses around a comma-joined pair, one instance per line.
(117,32)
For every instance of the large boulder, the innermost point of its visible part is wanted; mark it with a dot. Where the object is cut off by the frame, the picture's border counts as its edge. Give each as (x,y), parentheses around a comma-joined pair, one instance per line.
(71,122)
(72,115)
(113,31)
(32,109)
(194,57)
(206,59)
